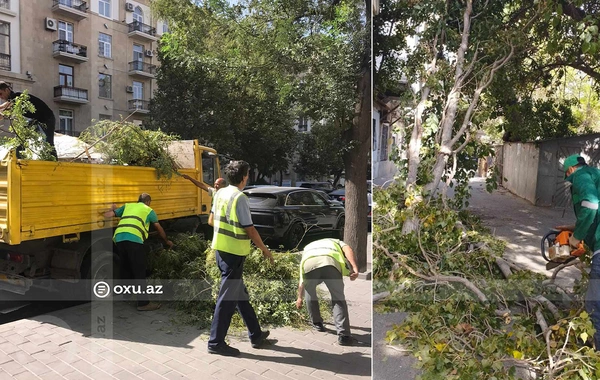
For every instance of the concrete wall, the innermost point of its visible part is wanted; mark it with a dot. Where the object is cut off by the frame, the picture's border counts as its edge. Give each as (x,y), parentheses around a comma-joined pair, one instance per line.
(520,169)
(552,190)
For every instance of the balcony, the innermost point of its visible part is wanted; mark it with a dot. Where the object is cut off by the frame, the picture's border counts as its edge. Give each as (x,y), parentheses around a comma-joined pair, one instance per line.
(70,95)
(138,106)
(5,62)
(142,31)
(142,69)
(74,9)
(73,52)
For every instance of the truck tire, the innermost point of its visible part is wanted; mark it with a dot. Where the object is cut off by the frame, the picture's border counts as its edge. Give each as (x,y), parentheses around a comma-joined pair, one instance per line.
(103,267)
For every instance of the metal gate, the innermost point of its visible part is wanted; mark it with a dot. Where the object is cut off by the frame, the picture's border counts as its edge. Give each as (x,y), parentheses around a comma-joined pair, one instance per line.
(562,192)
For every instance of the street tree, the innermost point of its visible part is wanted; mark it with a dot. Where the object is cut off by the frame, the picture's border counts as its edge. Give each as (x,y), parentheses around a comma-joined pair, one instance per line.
(309,58)
(320,153)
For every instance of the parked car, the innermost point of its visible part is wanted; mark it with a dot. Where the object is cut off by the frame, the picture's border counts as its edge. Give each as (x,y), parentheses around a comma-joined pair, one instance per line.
(326,196)
(324,186)
(340,196)
(288,214)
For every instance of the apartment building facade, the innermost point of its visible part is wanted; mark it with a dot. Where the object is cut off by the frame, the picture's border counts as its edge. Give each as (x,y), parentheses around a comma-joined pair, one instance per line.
(88,60)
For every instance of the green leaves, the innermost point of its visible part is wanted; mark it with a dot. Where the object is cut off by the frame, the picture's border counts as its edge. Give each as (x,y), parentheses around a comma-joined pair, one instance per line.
(124,143)
(31,143)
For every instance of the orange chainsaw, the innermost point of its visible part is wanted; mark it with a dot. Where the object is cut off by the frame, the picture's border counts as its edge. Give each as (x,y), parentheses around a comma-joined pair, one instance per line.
(557,250)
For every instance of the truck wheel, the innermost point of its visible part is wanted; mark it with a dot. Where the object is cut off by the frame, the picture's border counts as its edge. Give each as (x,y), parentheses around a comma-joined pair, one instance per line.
(103,267)
(294,236)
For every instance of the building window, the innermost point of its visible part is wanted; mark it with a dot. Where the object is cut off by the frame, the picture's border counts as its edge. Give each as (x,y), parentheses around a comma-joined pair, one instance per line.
(65,125)
(5,4)
(104,45)
(104,85)
(5,46)
(65,75)
(374,134)
(138,53)
(138,90)
(165,27)
(65,31)
(302,124)
(104,8)
(104,117)
(138,15)
(384,143)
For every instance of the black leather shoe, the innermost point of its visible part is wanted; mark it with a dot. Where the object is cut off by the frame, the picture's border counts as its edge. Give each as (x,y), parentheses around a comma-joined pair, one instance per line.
(318,326)
(344,340)
(224,349)
(262,339)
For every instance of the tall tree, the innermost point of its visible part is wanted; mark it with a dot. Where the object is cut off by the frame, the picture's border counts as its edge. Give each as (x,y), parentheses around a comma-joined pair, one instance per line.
(308,57)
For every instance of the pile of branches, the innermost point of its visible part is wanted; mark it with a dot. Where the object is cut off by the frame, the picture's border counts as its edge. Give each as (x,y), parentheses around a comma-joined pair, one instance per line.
(22,136)
(125,143)
(191,278)
(473,314)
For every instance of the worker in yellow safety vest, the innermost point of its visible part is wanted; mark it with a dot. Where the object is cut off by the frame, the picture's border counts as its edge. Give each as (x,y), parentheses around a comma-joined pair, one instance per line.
(233,230)
(325,261)
(129,238)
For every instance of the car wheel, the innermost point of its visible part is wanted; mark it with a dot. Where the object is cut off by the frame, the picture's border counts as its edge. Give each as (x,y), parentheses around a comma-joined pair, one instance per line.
(295,235)
(340,227)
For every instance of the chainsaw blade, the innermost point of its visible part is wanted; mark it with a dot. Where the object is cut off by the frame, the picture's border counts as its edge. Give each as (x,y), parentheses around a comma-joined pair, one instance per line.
(553,264)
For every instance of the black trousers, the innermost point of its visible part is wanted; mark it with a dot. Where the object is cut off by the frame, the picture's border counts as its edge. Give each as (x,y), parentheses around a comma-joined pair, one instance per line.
(232,294)
(133,267)
(48,126)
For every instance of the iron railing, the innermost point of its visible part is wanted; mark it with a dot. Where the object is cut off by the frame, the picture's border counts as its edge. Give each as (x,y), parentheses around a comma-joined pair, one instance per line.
(5,62)
(137,26)
(75,4)
(71,92)
(142,66)
(69,47)
(139,104)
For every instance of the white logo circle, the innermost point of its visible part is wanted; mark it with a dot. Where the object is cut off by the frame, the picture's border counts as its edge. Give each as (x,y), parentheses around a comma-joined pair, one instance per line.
(101,289)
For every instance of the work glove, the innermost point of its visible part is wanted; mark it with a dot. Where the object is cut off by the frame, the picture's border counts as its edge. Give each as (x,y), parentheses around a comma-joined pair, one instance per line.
(573,241)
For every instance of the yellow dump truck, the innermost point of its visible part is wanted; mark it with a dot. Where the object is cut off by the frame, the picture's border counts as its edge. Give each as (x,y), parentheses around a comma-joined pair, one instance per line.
(51,222)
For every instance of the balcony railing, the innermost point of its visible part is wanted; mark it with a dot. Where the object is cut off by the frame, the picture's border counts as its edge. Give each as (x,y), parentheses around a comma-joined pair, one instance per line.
(74,93)
(65,46)
(5,62)
(139,105)
(137,26)
(74,4)
(142,66)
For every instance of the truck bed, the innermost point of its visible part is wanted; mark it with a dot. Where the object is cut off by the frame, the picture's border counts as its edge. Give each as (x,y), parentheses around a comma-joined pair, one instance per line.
(40,199)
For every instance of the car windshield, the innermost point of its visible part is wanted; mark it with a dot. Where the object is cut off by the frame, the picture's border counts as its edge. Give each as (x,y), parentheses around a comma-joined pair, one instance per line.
(262,200)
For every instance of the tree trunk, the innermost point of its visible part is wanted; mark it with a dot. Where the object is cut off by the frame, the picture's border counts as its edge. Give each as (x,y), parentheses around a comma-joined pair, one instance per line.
(414,146)
(355,161)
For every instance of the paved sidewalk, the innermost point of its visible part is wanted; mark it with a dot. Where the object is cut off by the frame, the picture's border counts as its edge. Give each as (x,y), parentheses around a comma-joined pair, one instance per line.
(114,341)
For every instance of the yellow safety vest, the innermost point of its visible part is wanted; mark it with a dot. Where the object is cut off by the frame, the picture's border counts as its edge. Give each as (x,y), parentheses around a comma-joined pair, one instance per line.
(325,247)
(229,235)
(134,219)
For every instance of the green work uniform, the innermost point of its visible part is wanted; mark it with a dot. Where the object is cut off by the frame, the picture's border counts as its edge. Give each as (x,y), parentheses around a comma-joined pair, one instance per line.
(585,193)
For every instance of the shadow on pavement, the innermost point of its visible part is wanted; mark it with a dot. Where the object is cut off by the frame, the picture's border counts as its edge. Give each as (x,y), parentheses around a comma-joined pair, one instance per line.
(355,363)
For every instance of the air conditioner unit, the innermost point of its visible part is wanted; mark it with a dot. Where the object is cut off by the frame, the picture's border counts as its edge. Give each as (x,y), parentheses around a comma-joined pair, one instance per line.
(129,89)
(51,23)
(149,53)
(129,7)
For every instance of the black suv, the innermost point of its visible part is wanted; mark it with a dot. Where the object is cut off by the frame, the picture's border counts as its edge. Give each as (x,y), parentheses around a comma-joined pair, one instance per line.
(288,214)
